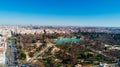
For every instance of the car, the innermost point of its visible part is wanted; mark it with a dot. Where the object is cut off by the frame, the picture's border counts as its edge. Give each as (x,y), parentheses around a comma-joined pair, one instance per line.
(10,46)
(16,63)
(16,66)
(23,65)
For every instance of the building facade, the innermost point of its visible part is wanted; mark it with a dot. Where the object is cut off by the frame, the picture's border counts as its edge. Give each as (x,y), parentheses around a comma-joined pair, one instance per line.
(2,51)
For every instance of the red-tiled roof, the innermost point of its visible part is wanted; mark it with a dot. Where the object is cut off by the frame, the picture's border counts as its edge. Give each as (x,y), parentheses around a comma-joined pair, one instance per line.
(2,49)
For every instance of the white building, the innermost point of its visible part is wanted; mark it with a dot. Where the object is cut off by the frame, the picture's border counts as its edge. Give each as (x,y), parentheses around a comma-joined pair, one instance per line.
(2,51)
(2,56)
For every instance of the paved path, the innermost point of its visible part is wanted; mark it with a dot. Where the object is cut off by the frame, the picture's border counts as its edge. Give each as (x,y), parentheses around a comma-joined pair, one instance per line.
(41,52)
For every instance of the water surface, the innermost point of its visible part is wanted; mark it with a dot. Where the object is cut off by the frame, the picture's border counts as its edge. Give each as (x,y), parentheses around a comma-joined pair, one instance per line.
(66,40)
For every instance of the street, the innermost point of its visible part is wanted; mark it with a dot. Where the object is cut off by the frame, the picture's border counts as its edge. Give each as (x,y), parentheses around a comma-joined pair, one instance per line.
(11,54)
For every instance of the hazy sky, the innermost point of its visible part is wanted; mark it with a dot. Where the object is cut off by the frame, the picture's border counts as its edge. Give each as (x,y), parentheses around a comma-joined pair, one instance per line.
(60,12)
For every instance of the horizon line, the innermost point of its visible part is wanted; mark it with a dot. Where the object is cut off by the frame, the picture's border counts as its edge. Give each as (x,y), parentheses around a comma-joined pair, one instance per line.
(60,25)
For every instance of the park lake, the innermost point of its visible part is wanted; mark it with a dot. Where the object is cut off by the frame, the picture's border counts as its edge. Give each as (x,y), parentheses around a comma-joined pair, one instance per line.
(66,40)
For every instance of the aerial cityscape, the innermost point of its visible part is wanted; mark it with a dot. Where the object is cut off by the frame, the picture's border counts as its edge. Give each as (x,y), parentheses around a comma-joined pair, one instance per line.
(50,46)
(59,33)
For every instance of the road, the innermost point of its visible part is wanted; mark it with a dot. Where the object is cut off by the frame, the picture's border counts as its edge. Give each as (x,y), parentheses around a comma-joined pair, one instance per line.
(42,51)
(11,57)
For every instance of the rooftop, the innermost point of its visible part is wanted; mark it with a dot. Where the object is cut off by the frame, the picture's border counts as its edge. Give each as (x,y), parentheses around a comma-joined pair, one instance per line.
(2,49)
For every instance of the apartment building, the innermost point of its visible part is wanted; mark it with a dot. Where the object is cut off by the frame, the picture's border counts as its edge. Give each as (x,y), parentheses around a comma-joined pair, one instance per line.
(2,51)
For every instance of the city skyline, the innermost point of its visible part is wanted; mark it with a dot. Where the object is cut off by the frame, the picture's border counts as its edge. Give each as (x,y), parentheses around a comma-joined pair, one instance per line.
(60,12)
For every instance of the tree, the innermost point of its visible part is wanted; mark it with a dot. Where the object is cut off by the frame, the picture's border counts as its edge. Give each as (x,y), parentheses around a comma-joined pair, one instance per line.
(100,57)
(105,48)
(31,54)
(57,65)
(38,48)
(23,56)
(33,41)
